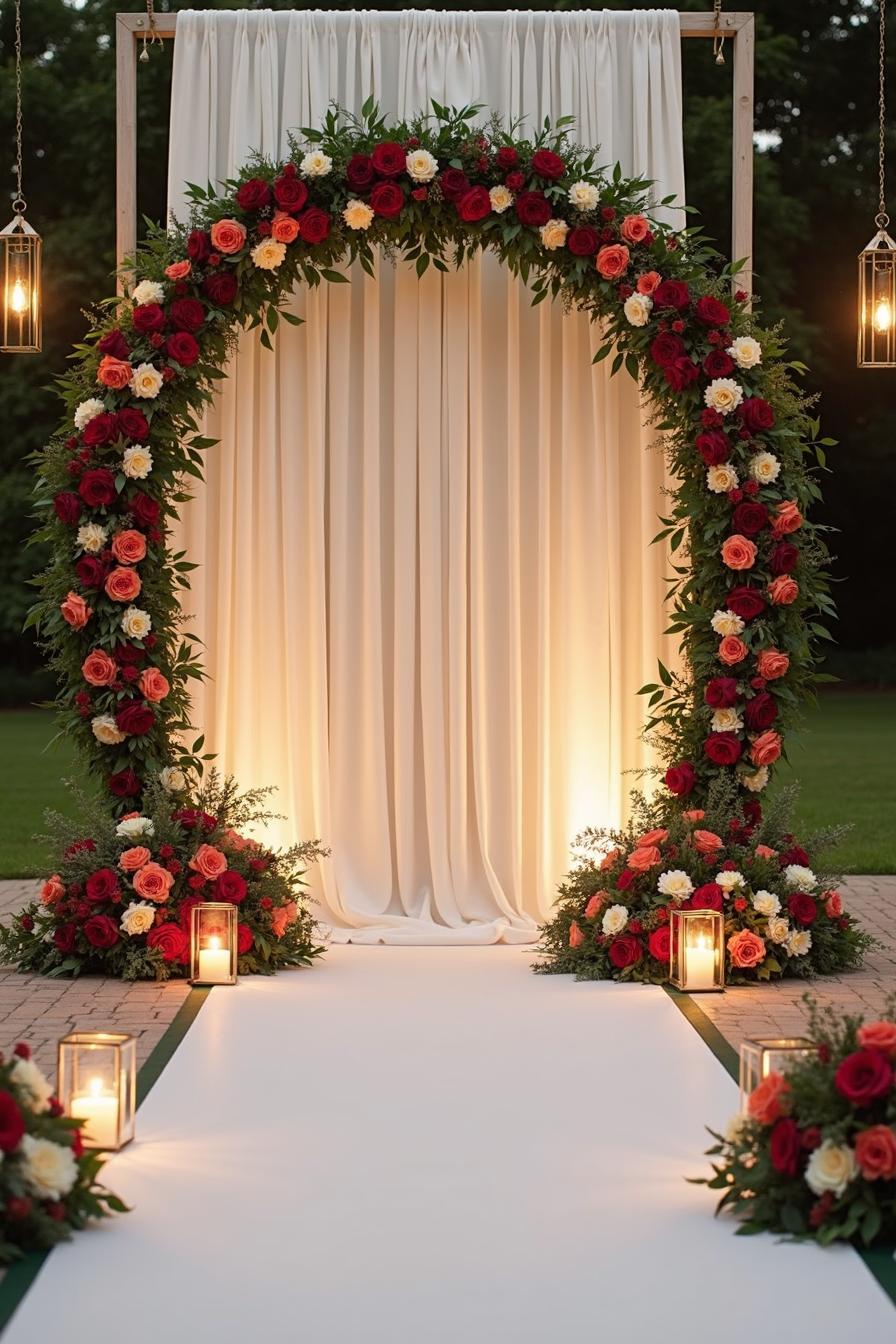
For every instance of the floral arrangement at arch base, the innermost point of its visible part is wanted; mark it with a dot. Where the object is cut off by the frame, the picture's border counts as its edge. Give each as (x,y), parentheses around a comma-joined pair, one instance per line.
(48,1180)
(815,1156)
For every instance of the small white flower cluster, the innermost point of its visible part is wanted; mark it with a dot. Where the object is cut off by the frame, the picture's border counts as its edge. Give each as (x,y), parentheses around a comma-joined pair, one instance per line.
(726,623)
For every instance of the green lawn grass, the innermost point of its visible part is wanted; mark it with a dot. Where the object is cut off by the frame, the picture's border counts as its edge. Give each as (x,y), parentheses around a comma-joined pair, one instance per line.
(845,761)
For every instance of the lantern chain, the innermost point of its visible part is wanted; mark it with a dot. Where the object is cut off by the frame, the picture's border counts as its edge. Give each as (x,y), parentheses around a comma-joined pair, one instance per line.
(883,218)
(18,204)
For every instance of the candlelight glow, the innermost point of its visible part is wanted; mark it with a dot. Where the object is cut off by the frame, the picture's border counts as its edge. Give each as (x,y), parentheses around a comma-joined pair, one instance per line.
(19,298)
(883,316)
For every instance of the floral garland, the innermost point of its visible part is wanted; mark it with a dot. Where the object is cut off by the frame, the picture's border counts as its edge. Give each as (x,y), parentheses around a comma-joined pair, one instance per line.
(433,191)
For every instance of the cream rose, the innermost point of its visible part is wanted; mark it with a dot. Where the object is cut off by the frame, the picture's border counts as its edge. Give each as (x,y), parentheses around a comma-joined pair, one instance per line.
(315,164)
(766,903)
(583,195)
(48,1170)
(172,779)
(553,234)
(745,351)
(88,410)
(421,165)
(831,1168)
(268,254)
(133,828)
(730,881)
(106,730)
(798,942)
(722,478)
(358,215)
(136,463)
(727,720)
(726,623)
(91,537)
(637,309)
(614,920)
(136,623)
(675,883)
(138,918)
(778,928)
(146,381)
(36,1089)
(764,468)
(755,780)
(148,291)
(501,199)
(799,878)
(723,395)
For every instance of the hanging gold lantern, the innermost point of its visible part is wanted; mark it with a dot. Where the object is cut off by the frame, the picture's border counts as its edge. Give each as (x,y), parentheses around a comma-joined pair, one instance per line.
(877,262)
(20,260)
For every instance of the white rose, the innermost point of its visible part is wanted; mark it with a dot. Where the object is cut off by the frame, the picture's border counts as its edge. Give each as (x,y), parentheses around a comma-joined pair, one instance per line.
(91,537)
(735,1127)
(831,1168)
(358,215)
(637,309)
(315,164)
(133,827)
(755,780)
(87,411)
(148,291)
(583,195)
(798,942)
(778,929)
(137,462)
(727,721)
(268,254)
(764,468)
(136,623)
(745,351)
(721,478)
(172,779)
(730,881)
(723,395)
(799,878)
(421,165)
(766,903)
(32,1083)
(48,1169)
(106,730)
(726,623)
(615,919)
(675,883)
(501,199)
(138,918)
(146,381)
(553,234)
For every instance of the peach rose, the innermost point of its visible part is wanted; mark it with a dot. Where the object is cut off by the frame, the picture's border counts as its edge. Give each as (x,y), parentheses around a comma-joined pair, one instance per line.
(787,518)
(634,228)
(609,859)
(695,814)
(766,852)
(739,552)
(878,1036)
(648,282)
(153,882)
(209,862)
(595,904)
(783,590)
(228,236)
(129,547)
(98,669)
(732,650)
(766,748)
(766,1102)
(284,915)
(612,261)
(875,1150)
(707,842)
(644,858)
(652,838)
(178,270)
(576,936)
(771,664)
(123,585)
(132,859)
(746,949)
(52,890)
(76,611)
(114,373)
(154,684)
(284,228)
(833,905)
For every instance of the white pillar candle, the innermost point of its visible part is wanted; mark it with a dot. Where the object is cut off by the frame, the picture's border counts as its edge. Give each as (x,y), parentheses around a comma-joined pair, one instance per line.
(214,963)
(98,1112)
(700,966)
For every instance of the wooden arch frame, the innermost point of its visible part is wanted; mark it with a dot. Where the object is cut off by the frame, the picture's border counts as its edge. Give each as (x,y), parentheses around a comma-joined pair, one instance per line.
(737,28)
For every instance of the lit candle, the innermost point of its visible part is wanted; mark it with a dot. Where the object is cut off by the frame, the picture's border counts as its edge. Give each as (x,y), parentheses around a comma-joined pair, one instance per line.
(882,316)
(98,1109)
(214,963)
(19,301)
(701,964)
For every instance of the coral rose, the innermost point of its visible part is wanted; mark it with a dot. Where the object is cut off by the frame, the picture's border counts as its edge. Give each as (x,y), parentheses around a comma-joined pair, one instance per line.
(766,748)
(129,547)
(153,684)
(576,936)
(647,283)
(209,862)
(652,838)
(98,669)
(612,261)
(114,373)
(833,905)
(153,882)
(783,590)
(707,842)
(75,611)
(132,859)
(284,228)
(878,1036)
(178,270)
(875,1150)
(634,228)
(609,859)
(123,585)
(595,902)
(787,518)
(746,949)
(52,890)
(766,852)
(228,236)
(644,858)
(732,650)
(695,814)
(771,664)
(766,1103)
(738,552)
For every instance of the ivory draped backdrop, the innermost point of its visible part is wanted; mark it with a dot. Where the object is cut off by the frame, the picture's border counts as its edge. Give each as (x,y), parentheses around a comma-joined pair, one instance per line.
(425,581)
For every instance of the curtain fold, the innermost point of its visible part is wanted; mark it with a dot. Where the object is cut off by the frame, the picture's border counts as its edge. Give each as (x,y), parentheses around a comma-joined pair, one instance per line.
(425,584)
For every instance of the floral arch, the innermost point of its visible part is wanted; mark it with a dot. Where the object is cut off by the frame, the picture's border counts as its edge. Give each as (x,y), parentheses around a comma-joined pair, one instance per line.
(749,582)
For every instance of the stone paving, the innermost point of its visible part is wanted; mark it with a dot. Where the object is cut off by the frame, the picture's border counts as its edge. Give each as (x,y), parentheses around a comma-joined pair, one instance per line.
(40,1010)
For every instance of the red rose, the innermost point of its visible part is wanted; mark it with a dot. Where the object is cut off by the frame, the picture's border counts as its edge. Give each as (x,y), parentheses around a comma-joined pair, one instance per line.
(132,424)
(199,246)
(760,712)
(359,172)
(388,158)
(253,195)
(515,181)
(659,942)
(221,288)
(723,748)
(785,1146)
(784,558)
(114,344)
(711,312)
(101,429)
(802,907)
(314,225)
(666,348)
(864,1076)
(12,1124)
(796,854)
(67,507)
(717,364)
(135,718)
(533,209)
(708,897)
(756,414)
(101,931)
(625,951)
(745,602)
(143,509)
(186,315)
(454,184)
(230,886)
(749,518)
(721,692)
(124,784)
(64,938)
(583,241)
(507,158)
(387,200)
(182,348)
(474,205)
(244,939)
(170,939)
(681,373)
(148,317)
(625,879)
(97,487)
(545,163)
(91,571)
(672,294)
(291,193)
(681,778)
(102,885)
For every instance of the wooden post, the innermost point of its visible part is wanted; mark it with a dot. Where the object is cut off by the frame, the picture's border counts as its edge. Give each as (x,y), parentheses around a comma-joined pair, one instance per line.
(125,141)
(742,155)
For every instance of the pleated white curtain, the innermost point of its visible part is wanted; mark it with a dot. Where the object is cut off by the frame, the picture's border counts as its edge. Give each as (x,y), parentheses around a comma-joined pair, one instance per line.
(426,586)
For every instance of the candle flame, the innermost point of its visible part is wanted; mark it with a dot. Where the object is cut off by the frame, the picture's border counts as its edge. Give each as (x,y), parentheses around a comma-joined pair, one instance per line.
(96,1087)
(883,316)
(18,301)
(214,942)
(702,942)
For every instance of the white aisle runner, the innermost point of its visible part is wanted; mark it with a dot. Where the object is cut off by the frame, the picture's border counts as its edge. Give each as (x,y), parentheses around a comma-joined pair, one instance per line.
(425,1146)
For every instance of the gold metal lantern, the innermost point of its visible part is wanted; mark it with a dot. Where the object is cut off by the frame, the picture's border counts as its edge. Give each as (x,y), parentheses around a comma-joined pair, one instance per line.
(769,1054)
(697,950)
(97,1084)
(877,261)
(213,943)
(20,259)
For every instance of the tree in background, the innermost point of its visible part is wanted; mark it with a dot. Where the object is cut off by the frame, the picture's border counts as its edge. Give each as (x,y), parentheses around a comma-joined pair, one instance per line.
(816,115)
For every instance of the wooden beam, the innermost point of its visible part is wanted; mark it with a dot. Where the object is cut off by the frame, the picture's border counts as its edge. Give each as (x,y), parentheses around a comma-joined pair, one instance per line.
(742,156)
(125,141)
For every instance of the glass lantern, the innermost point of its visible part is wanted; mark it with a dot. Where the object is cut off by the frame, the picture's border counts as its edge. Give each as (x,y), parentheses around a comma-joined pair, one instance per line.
(769,1054)
(877,301)
(97,1084)
(697,950)
(213,943)
(21,310)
